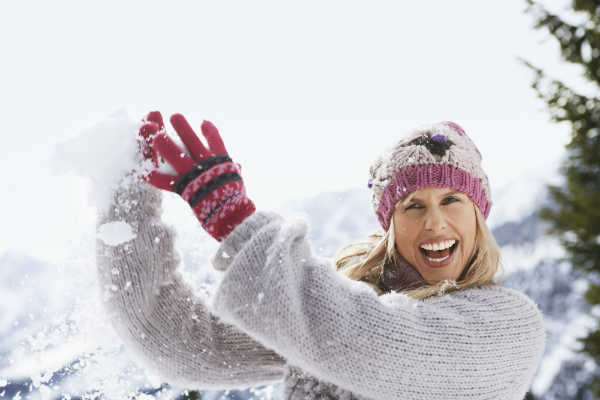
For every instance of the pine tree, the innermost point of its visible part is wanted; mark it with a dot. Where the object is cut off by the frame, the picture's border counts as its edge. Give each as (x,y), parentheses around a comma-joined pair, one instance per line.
(574,215)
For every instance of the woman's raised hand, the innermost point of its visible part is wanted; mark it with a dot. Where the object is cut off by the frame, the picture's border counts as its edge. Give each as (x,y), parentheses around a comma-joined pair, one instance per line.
(206,177)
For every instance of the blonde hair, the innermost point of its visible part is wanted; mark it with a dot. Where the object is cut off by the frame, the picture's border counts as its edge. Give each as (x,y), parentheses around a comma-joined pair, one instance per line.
(364,261)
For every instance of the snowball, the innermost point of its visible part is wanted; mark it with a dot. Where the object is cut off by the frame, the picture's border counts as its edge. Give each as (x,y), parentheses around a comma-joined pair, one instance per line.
(115,233)
(102,154)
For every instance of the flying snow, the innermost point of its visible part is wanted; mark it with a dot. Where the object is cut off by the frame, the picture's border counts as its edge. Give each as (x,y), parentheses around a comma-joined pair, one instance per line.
(115,233)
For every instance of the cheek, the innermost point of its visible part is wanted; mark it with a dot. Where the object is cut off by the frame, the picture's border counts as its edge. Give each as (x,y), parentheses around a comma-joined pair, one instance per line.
(403,226)
(466,222)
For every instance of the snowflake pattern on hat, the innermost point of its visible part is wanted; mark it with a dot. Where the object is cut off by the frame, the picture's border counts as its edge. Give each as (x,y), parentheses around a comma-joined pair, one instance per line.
(437,144)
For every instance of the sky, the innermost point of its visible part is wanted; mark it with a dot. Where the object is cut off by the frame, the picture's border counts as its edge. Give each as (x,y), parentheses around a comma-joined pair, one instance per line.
(305,94)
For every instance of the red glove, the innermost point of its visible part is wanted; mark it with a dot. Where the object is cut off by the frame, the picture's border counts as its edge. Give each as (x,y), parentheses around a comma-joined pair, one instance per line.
(209,181)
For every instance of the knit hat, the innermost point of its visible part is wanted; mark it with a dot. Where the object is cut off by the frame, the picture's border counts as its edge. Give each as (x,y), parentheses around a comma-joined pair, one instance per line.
(439,155)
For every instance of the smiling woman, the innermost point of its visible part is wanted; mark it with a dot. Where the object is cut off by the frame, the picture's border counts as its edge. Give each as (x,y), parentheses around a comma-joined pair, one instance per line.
(281,313)
(431,197)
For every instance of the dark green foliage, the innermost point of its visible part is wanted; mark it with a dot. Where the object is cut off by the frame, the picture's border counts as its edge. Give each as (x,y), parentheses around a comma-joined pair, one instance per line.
(192,395)
(574,211)
(593,294)
(591,344)
(529,396)
(579,44)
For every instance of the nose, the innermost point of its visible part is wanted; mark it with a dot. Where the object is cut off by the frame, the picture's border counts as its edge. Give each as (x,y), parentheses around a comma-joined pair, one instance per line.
(435,220)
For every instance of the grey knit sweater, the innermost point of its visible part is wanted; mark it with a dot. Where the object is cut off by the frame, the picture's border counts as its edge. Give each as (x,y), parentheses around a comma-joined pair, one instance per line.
(280,313)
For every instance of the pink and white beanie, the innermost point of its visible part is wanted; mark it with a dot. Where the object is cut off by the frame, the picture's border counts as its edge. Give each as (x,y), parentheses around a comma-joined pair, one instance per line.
(439,155)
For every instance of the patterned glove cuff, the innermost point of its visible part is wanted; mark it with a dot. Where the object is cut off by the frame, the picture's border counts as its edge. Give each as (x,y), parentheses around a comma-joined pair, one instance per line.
(227,215)
(215,191)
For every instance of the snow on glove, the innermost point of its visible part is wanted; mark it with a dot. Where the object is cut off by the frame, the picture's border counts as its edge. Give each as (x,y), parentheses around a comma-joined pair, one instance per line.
(206,177)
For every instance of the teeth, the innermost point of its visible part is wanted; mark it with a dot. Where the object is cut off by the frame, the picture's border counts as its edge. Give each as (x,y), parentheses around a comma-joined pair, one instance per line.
(437,259)
(438,246)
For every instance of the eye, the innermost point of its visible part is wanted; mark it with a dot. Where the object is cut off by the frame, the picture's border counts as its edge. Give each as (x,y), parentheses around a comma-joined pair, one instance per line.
(450,199)
(413,206)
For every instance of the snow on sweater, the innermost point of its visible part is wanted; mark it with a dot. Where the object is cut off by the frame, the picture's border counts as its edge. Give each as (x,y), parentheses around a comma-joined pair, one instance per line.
(280,313)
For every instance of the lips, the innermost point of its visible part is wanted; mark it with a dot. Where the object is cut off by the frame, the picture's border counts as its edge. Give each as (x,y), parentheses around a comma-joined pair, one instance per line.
(438,258)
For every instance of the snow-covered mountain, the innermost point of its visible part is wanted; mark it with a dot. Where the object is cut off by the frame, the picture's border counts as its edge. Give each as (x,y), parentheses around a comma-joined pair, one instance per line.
(55,342)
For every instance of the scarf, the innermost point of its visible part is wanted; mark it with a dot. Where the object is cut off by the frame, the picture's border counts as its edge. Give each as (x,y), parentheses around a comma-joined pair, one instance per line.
(401,275)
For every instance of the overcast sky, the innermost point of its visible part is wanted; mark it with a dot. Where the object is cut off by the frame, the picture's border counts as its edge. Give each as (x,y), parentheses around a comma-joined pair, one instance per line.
(305,93)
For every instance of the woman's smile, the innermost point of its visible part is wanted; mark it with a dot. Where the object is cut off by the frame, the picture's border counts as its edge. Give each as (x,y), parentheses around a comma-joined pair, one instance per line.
(438,252)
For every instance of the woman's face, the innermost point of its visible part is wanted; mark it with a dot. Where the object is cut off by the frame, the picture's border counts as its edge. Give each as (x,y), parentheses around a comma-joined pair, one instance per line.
(435,232)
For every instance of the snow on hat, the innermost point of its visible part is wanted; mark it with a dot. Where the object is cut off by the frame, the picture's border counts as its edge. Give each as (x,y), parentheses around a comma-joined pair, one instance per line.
(439,155)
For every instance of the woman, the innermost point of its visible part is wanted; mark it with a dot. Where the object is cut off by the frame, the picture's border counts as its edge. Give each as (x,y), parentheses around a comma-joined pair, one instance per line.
(280,313)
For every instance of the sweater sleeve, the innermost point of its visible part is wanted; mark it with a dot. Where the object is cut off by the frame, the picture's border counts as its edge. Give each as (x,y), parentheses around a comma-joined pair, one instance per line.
(157,315)
(482,343)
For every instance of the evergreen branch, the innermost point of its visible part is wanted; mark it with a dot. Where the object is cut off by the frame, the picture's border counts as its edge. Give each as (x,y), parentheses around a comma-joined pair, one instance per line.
(579,44)
(563,102)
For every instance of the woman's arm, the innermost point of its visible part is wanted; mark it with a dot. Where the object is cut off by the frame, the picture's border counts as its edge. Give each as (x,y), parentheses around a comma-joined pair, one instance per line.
(157,314)
(484,342)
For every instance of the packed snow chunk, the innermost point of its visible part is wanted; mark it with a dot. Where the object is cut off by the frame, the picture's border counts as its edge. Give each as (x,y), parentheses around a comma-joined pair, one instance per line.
(115,233)
(398,300)
(102,154)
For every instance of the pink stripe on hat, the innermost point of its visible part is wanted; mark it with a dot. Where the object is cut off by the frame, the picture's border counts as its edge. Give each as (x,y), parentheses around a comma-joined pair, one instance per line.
(417,177)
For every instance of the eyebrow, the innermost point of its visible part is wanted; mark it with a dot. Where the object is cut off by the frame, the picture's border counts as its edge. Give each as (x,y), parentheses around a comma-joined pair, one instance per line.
(415,198)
